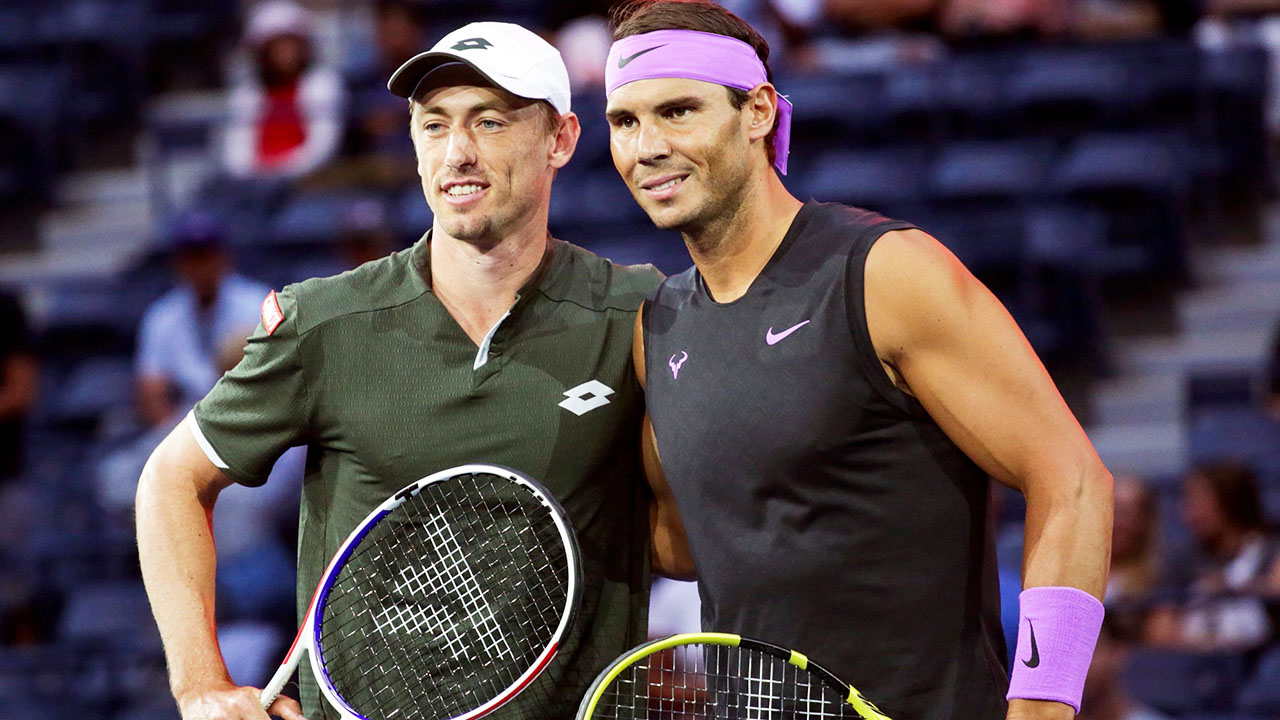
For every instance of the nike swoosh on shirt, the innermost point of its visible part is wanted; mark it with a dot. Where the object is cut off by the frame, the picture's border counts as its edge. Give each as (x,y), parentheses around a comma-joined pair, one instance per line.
(774,338)
(624,61)
(1034,661)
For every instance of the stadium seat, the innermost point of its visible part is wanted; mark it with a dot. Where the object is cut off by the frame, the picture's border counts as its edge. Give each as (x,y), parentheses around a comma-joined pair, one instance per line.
(1059,92)
(877,179)
(1245,433)
(831,107)
(1183,682)
(109,613)
(309,218)
(991,170)
(1261,694)
(1142,180)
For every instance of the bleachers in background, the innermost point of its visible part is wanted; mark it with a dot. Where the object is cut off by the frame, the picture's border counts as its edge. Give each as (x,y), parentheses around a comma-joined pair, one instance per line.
(1050,171)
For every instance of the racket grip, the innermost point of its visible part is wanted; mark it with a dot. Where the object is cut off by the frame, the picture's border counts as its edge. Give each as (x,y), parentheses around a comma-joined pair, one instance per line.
(272,689)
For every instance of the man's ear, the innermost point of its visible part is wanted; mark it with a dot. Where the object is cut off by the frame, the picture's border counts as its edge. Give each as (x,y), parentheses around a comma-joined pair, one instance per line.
(566,140)
(762,106)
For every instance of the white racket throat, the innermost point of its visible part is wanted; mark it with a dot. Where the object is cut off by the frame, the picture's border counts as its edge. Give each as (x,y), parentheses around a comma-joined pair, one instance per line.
(308,638)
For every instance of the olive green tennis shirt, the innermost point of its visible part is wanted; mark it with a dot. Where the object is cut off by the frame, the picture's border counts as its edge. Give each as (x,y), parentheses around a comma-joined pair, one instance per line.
(371,373)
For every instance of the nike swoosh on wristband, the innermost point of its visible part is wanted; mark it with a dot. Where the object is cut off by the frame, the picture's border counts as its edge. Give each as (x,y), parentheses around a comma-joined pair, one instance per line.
(1034,661)
(773,339)
(625,61)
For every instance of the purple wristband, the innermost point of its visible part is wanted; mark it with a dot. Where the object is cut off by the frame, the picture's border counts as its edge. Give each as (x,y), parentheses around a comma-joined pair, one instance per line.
(1057,632)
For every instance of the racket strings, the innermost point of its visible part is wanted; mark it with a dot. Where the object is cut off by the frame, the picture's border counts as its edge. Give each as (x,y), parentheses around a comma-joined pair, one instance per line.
(718,682)
(452,596)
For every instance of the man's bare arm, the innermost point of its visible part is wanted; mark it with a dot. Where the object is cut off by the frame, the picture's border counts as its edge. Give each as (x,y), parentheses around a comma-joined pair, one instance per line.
(176,495)
(670,547)
(947,340)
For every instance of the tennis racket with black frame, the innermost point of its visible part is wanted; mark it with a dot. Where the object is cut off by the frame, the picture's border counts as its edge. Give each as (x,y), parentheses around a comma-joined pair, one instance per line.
(444,603)
(720,676)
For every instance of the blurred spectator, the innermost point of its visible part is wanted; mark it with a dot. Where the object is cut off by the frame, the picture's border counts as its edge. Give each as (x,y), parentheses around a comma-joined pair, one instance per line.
(17,383)
(864,15)
(195,332)
(584,44)
(1105,696)
(378,117)
(978,19)
(1123,19)
(957,19)
(1236,561)
(1135,557)
(288,120)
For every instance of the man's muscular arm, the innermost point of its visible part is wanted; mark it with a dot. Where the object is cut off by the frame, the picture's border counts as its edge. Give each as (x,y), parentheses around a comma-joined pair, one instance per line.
(944,338)
(176,495)
(670,548)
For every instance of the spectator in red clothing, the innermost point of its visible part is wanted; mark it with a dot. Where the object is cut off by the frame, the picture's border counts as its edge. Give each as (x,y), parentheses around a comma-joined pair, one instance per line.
(288,120)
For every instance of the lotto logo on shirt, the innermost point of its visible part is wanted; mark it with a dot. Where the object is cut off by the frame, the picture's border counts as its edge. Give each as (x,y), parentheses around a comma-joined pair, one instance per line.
(272,316)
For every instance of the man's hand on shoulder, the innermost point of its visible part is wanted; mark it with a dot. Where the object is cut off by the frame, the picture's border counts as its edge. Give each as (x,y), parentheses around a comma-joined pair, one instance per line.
(229,702)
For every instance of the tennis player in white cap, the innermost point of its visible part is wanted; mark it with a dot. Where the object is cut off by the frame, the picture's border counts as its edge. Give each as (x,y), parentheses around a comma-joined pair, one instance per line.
(487,340)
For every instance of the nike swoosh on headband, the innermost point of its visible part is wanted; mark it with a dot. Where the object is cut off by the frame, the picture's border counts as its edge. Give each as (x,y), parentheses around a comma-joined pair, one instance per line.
(624,61)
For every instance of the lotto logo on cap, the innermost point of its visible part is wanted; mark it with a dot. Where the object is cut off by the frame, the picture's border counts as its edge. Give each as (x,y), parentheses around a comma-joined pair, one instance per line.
(506,54)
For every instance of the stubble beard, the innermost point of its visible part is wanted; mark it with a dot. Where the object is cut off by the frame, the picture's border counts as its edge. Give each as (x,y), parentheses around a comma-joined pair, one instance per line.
(704,228)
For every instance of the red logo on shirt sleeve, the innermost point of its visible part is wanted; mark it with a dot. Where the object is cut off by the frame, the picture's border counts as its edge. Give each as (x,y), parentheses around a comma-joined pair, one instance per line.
(271,313)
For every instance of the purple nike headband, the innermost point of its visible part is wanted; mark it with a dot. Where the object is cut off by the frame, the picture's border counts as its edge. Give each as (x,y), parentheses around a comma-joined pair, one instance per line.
(697,56)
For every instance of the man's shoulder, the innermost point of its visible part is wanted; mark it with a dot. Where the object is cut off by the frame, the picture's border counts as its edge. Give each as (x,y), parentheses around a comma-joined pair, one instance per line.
(676,290)
(586,279)
(845,224)
(375,285)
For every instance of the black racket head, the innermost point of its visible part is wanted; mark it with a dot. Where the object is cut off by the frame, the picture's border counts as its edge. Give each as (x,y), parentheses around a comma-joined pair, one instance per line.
(719,676)
(450,601)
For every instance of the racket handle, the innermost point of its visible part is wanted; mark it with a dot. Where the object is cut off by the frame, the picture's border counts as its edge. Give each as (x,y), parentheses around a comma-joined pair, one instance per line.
(272,689)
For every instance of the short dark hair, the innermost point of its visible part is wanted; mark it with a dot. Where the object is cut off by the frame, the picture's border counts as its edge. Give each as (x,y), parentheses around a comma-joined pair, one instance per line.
(642,16)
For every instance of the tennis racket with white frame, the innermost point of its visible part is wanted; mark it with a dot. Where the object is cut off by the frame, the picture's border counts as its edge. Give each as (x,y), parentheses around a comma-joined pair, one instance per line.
(444,603)
(720,676)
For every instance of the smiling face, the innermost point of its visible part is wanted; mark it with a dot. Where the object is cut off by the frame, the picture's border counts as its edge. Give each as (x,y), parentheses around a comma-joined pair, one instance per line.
(683,149)
(486,159)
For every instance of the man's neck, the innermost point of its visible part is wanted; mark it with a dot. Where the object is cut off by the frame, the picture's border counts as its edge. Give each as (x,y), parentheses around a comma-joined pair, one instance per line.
(478,282)
(731,252)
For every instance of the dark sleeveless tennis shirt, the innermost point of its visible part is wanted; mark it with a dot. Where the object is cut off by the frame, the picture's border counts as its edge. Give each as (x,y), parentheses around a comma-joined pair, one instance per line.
(825,510)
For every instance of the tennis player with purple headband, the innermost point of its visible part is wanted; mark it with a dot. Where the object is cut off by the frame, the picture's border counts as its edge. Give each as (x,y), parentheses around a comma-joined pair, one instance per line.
(830,392)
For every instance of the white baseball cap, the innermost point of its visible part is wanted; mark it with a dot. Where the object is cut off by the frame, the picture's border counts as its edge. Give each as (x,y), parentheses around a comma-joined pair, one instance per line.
(507,55)
(274,18)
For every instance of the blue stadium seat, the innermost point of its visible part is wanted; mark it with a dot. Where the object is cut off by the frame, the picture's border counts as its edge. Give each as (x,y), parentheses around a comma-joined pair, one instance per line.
(869,178)
(1142,180)
(1261,694)
(973,96)
(1236,85)
(829,106)
(1246,434)
(111,614)
(1184,682)
(410,213)
(912,102)
(633,244)
(165,709)
(1064,91)
(94,388)
(19,30)
(1153,162)
(310,218)
(593,198)
(991,170)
